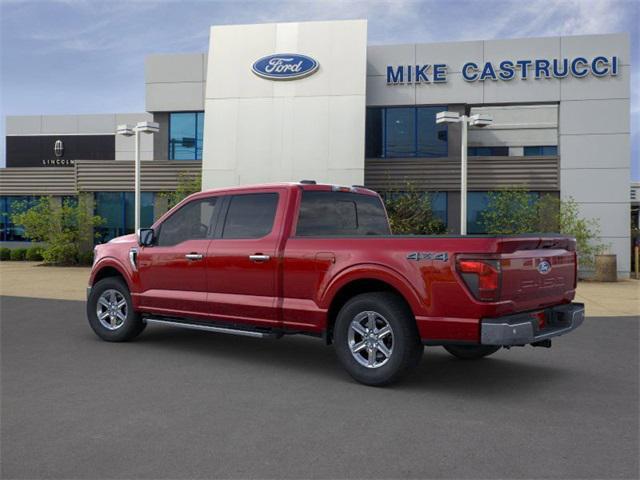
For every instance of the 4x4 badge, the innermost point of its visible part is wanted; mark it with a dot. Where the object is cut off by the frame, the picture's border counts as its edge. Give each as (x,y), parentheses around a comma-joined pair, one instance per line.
(442,256)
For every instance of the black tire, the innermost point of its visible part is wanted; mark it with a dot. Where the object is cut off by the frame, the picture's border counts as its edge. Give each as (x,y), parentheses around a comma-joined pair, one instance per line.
(132,324)
(406,348)
(471,352)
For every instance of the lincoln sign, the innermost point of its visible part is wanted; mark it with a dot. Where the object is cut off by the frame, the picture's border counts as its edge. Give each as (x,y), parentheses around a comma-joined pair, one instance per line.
(506,70)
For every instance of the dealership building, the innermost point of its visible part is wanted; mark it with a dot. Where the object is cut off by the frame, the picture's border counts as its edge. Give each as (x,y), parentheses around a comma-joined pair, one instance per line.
(311,100)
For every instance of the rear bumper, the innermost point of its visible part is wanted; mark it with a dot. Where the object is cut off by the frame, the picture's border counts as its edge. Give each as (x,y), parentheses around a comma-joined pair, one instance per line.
(522,328)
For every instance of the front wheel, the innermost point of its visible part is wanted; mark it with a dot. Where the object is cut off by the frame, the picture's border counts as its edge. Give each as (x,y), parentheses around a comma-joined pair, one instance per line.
(376,338)
(471,352)
(110,311)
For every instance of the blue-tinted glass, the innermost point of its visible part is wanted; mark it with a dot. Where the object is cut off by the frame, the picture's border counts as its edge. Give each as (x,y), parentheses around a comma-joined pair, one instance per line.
(439,205)
(532,151)
(432,137)
(199,134)
(11,205)
(185,138)
(477,202)
(109,206)
(400,132)
(146,210)
(374,132)
(117,209)
(538,151)
(551,150)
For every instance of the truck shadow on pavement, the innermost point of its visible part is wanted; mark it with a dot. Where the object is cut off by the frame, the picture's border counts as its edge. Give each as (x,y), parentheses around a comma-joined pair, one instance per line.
(303,356)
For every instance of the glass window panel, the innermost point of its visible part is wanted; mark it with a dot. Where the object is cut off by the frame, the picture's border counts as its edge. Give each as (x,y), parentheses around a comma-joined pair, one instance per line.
(195,220)
(477,202)
(532,151)
(400,132)
(250,216)
(432,137)
(374,131)
(109,206)
(551,150)
(182,136)
(199,134)
(341,213)
(439,205)
(146,210)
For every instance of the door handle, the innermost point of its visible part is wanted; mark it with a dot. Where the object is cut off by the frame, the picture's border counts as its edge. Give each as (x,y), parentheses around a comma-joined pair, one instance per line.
(193,256)
(258,257)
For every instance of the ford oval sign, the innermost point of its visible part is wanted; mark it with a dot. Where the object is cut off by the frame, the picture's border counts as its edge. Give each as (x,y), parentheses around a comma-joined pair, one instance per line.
(285,66)
(544,267)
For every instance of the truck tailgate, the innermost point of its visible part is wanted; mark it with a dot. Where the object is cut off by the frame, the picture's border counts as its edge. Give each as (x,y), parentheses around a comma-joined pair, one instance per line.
(537,272)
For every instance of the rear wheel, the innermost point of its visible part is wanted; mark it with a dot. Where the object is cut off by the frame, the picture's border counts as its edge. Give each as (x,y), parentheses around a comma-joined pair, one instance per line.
(110,311)
(376,338)
(470,352)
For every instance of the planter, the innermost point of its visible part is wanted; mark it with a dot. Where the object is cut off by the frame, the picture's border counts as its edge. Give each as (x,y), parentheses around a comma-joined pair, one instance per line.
(606,268)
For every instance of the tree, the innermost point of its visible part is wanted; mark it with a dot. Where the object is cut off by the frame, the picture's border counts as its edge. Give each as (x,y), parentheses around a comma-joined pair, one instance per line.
(411,212)
(187,184)
(65,228)
(516,211)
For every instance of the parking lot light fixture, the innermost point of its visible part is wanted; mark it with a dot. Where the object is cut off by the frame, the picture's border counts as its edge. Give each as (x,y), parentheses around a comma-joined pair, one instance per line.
(128,131)
(477,120)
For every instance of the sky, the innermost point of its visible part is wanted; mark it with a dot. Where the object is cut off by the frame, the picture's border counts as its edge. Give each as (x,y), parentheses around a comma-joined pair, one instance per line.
(87,56)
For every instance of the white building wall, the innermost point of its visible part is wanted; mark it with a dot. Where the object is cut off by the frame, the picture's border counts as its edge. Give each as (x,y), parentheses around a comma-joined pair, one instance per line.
(259,130)
(592,128)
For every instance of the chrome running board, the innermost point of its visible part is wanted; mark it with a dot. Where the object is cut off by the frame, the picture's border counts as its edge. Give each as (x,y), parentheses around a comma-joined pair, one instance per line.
(210,328)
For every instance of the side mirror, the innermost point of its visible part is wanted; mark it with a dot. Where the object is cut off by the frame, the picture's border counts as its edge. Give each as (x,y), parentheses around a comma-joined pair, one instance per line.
(146,237)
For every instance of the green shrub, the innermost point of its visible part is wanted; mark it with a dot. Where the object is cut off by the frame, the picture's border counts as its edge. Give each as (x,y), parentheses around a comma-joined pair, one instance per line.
(187,184)
(65,228)
(516,211)
(410,212)
(5,253)
(86,258)
(18,254)
(34,254)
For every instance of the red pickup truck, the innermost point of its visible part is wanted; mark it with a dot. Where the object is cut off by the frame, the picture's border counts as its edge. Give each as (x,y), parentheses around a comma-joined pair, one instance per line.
(269,260)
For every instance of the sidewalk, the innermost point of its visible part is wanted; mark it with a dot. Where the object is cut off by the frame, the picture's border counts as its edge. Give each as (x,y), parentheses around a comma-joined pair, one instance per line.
(30,279)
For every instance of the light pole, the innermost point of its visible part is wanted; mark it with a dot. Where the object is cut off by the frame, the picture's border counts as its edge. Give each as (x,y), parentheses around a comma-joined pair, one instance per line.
(128,131)
(477,120)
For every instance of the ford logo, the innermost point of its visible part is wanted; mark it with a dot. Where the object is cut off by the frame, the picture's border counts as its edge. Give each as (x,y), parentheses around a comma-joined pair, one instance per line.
(544,267)
(285,66)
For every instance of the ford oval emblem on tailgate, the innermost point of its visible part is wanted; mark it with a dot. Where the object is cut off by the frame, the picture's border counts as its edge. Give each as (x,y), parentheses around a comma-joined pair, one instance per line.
(284,66)
(544,267)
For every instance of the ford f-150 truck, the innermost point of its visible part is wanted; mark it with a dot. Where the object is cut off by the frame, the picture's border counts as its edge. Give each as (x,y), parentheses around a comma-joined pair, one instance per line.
(269,260)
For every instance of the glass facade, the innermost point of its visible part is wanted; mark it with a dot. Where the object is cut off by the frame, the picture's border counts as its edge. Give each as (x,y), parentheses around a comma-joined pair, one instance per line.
(541,151)
(117,209)
(9,232)
(405,132)
(185,135)
(488,151)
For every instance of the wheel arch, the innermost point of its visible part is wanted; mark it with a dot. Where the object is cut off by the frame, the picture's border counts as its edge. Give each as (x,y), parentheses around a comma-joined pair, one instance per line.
(109,269)
(351,285)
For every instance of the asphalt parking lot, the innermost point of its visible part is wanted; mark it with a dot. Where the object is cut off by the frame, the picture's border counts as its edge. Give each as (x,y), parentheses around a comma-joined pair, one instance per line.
(186,404)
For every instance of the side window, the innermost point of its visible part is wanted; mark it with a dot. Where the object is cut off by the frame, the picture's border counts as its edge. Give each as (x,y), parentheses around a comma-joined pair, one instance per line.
(193,221)
(340,213)
(250,215)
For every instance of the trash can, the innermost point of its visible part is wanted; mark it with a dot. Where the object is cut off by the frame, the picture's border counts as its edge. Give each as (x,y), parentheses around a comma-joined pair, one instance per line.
(606,268)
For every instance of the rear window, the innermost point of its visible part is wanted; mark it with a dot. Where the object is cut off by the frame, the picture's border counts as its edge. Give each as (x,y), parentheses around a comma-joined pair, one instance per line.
(341,213)
(250,216)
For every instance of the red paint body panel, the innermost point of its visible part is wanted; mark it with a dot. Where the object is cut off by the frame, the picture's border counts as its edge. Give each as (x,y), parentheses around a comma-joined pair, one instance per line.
(294,290)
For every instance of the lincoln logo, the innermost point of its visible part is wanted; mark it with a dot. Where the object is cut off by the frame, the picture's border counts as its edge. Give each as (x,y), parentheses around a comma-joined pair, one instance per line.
(544,267)
(284,66)
(58,148)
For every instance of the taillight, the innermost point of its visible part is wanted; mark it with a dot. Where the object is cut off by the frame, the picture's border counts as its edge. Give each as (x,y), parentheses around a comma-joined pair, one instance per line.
(482,278)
